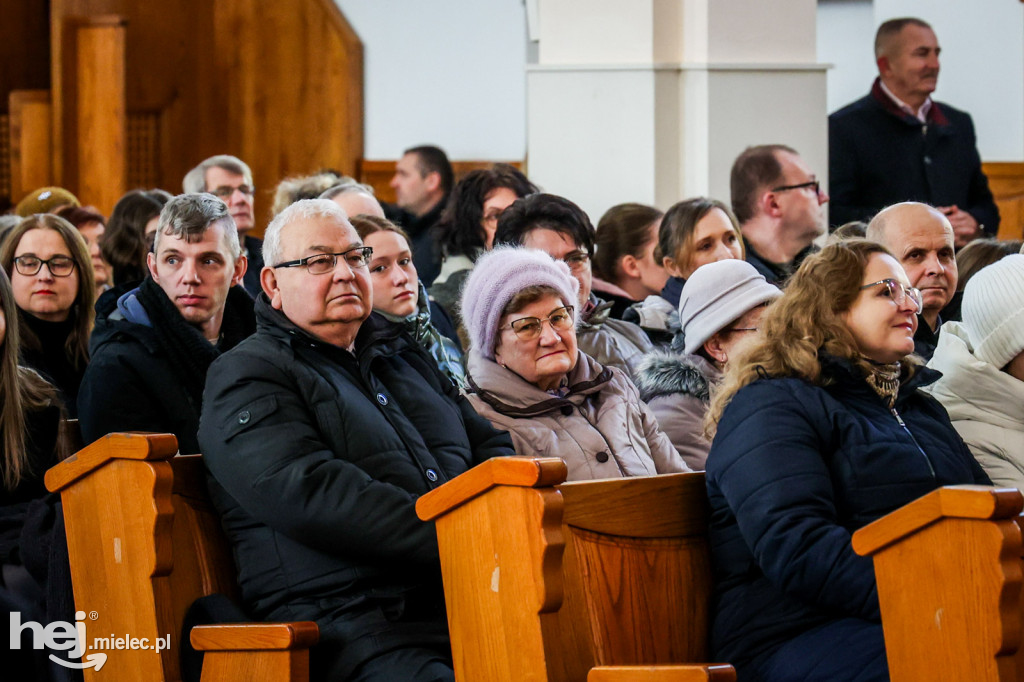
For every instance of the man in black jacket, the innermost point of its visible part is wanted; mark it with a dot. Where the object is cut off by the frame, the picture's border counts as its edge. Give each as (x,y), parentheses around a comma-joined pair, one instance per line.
(897,144)
(320,432)
(422,182)
(153,344)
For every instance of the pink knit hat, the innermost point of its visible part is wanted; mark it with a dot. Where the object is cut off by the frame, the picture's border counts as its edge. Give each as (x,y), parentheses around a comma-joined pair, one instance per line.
(497,277)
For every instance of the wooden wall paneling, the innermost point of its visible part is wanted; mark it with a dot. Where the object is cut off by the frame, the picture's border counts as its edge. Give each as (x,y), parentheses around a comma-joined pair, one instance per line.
(31,142)
(378,174)
(1006,180)
(295,97)
(94,115)
(24,47)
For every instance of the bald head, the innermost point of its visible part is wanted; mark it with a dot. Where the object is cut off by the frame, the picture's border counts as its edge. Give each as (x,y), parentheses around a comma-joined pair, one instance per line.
(921,238)
(355,202)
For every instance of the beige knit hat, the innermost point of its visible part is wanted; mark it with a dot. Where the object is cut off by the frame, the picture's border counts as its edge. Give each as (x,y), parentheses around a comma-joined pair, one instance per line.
(993,311)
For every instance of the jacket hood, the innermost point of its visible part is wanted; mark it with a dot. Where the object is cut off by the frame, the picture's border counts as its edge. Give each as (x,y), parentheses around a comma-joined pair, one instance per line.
(664,373)
(971,389)
(510,394)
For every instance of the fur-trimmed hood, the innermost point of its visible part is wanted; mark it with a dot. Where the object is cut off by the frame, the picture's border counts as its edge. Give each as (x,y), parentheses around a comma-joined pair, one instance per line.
(662,373)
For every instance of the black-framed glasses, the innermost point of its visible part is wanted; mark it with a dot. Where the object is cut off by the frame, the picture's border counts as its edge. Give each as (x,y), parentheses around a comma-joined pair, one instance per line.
(900,292)
(322,263)
(59,266)
(225,191)
(742,329)
(813,184)
(530,328)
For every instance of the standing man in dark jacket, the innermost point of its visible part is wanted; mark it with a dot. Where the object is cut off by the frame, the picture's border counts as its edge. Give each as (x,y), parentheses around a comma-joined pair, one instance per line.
(320,432)
(897,144)
(422,182)
(152,346)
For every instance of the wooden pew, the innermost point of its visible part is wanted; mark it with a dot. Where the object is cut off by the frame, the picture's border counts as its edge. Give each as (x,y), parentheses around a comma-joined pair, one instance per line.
(600,580)
(144,543)
(948,567)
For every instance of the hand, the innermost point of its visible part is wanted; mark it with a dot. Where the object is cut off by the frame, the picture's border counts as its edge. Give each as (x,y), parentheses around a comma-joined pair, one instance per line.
(965,227)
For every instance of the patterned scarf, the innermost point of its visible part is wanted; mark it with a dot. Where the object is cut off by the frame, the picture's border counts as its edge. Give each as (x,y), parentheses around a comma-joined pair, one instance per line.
(885,381)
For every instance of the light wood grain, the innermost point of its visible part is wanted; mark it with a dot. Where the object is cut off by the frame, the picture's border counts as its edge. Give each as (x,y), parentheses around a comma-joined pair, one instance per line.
(1006,180)
(31,141)
(664,673)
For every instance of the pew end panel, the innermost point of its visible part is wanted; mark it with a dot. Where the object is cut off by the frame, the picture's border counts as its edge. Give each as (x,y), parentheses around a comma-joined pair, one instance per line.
(948,567)
(545,582)
(260,652)
(144,542)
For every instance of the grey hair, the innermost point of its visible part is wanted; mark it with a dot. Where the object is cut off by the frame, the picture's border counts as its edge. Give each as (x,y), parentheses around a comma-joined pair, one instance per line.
(345,187)
(195,179)
(189,216)
(305,209)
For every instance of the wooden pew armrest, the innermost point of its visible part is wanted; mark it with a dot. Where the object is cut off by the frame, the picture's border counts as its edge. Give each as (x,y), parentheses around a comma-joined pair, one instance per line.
(138,446)
(526,472)
(255,636)
(705,672)
(953,501)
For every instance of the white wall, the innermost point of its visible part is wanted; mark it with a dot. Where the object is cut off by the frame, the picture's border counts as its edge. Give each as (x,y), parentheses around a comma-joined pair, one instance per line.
(982,60)
(444,72)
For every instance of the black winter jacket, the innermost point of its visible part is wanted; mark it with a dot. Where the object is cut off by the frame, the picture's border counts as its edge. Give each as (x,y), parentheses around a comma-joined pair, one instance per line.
(318,457)
(879,156)
(132,383)
(793,471)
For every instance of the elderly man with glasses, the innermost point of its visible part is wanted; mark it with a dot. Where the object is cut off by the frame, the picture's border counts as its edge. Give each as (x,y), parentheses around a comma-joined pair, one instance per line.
(230,179)
(780,206)
(320,432)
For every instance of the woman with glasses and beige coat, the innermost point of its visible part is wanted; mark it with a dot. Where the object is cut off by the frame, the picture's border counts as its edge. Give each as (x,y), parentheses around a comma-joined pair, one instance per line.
(528,376)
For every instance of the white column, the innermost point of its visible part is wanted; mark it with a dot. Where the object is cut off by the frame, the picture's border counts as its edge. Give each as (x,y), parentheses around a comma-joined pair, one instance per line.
(651,100)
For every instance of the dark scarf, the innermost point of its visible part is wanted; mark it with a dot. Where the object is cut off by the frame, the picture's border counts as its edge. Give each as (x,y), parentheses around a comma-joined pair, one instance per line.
(184,345)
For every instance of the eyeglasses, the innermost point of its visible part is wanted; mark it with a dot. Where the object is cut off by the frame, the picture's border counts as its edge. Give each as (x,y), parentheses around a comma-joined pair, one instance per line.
(59,266)
(225,191)
(742,329)
(815,184)
(577,260)
(899,292)
(530,328)
(322,263)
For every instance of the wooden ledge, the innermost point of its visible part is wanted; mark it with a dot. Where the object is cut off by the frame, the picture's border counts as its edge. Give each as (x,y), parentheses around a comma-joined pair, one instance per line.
(138,446)
(958,502)
(709,672)
(255,636)
(523,472)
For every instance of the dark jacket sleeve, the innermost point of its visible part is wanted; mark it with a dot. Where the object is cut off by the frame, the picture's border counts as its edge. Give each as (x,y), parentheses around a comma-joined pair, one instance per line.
(115,396)
(981,204)
(846,196)
(260,442)
(768,462)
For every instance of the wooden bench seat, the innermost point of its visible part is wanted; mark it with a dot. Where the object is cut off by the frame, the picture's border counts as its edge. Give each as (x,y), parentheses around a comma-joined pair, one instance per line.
(948,567)
(599,580)
(144,543)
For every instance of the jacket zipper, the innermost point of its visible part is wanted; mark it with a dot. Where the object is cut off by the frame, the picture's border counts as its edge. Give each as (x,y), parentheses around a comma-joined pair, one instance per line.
(924,454)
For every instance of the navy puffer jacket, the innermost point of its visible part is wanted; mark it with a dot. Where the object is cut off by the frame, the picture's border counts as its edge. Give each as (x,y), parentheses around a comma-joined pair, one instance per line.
(794,469)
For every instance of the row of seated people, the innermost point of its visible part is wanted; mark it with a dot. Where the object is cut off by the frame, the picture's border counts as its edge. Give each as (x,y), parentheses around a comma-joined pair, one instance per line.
(525,372)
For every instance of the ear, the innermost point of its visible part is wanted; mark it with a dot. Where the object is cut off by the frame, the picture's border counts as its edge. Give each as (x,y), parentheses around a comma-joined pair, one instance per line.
(151,262)
(433,181)
(629,267)
(770,204)
(669,264)
(883,65)
(268,280)
(241,265)
(716,349)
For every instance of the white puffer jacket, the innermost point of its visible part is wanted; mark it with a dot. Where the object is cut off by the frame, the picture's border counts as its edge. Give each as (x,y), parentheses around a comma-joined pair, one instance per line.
(985,405)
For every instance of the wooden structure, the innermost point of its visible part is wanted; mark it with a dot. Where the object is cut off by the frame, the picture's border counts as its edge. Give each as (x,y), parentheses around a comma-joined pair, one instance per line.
(543,581)
(140,92)
(144,543)
(1006,180)
(948,567)
(378,174)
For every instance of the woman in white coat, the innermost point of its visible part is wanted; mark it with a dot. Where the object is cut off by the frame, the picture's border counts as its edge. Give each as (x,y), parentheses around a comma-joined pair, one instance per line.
(982,365)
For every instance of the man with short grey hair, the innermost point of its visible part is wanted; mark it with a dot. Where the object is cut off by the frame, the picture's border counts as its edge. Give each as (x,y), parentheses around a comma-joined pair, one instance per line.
(320,432)
(151,348)
(921,239)
(230,179)
(355,199)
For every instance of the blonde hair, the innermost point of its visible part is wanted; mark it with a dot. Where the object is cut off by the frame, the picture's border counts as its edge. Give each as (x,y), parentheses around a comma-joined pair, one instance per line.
(805,321)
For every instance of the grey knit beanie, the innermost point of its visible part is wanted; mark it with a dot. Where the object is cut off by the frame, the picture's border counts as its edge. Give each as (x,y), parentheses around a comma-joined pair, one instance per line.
(497,277)
(993,311)
(716,295)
